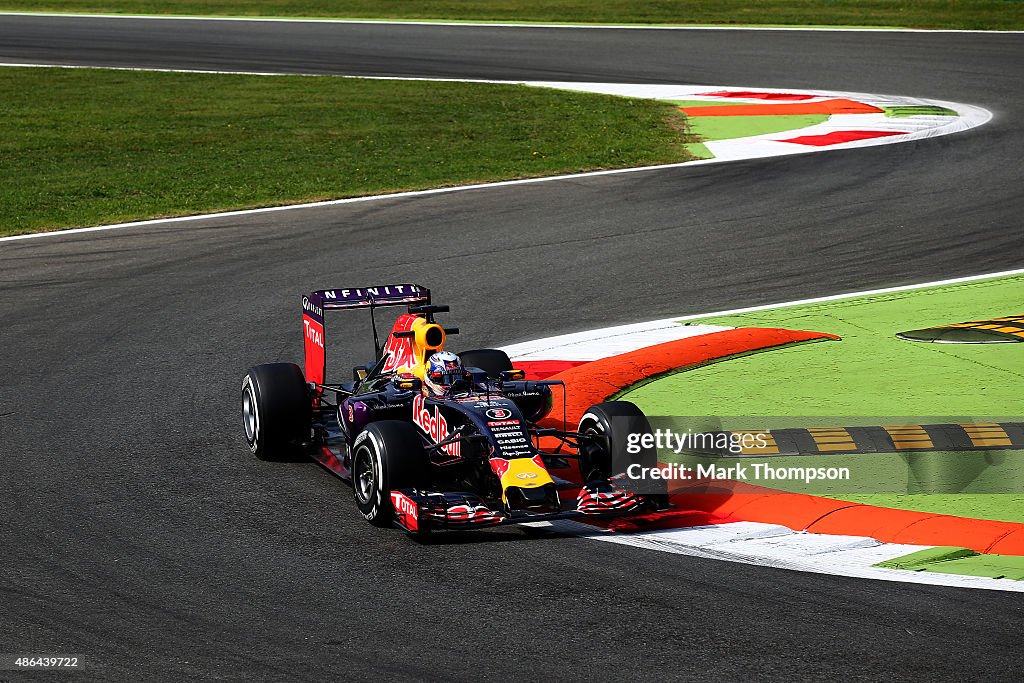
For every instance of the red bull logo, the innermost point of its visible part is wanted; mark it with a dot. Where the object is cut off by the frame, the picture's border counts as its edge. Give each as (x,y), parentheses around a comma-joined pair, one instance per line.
(499,466)
(433,424)
(400,350)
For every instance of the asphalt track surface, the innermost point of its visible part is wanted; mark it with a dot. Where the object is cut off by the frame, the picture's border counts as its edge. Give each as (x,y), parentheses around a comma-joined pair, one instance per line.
(139,534)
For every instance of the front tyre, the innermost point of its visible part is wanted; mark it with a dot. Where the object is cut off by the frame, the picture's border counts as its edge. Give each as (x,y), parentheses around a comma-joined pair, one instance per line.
(387,455)
(606,428)
(276,411)
(603,452)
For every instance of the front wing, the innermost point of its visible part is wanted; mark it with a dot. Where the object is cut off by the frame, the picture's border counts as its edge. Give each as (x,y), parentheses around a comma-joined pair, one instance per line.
(422,513)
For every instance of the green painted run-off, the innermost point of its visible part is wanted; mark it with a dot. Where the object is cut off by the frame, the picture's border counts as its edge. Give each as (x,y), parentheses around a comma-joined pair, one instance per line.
(951,560)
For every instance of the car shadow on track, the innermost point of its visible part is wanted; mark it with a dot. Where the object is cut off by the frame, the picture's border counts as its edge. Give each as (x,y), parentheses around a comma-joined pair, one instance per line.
(500,535)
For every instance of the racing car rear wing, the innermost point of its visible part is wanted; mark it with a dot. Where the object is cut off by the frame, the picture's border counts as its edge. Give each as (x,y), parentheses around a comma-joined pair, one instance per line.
(315,303)
(362,297)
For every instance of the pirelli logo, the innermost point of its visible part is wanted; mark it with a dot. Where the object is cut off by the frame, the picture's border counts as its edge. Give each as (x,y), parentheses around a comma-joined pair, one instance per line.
(887,439)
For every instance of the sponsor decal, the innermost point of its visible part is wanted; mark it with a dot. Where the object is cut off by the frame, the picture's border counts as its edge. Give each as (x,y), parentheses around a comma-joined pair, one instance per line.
(351,413)
(310,307)
(407,509)
(366,293)
(510,436)
(404,505)
(498,413)
(314,332)
(446,366)
(313,348)
(499,466)
(522,472)
(433,424)
(401,351)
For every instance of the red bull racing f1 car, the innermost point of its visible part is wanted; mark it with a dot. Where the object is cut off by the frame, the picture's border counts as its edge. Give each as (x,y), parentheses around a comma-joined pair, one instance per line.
(432,440)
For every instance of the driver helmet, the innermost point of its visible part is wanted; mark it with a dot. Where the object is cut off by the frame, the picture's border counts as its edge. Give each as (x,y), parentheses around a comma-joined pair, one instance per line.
(445,374)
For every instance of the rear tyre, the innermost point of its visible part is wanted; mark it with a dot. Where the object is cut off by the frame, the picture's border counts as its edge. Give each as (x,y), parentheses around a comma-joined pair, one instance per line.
(387,455)
(276,411)
(491,361)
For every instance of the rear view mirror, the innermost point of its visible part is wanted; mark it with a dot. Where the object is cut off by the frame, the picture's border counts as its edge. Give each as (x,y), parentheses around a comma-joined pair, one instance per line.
(407,382)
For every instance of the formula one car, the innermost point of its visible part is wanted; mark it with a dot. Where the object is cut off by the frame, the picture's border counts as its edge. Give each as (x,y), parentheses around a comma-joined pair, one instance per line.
(469,457)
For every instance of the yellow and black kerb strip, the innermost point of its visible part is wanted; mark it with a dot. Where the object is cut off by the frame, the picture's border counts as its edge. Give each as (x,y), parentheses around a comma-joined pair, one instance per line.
(1008,328)
(881,439)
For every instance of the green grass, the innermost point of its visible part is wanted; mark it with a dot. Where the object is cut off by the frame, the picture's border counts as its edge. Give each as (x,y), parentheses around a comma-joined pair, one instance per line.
(872,373)
(87,147)
(969,14)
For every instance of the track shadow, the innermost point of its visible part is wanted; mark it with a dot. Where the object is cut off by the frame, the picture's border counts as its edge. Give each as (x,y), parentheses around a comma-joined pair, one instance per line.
(496,535)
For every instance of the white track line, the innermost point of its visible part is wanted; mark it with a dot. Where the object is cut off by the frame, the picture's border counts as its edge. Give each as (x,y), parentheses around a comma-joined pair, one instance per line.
(610,341)
(399,22)
(969,117)
(771,545)
(850,295)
